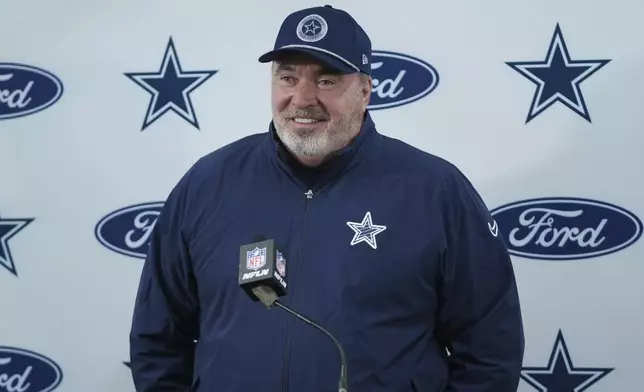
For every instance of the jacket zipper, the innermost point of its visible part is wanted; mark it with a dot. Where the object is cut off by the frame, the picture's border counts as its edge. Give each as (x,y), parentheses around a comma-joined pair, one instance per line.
(287,343)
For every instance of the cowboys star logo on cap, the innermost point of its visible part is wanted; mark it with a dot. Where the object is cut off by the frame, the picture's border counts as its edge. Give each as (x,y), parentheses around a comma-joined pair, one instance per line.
(312,28)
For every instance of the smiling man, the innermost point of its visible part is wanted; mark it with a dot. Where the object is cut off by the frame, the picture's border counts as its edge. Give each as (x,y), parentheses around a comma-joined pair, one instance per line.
(387,246)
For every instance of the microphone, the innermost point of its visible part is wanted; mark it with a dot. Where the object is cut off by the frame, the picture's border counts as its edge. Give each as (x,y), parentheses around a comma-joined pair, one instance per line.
(261,264)
(262,275)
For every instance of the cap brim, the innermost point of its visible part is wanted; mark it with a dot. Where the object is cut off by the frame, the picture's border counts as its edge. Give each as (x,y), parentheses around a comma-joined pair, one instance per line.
(329,59)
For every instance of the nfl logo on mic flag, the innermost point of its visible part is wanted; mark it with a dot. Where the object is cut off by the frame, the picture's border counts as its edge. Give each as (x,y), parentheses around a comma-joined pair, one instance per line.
(256,258)
(280,264)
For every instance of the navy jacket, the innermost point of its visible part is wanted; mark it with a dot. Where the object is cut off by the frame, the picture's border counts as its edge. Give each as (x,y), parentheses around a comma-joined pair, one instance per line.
(419,273)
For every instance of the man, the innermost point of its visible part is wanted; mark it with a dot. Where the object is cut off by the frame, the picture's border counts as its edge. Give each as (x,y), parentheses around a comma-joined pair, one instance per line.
(388,247)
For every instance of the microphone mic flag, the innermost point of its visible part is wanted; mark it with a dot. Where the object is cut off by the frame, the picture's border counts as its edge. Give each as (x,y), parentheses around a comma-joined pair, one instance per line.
(262,264)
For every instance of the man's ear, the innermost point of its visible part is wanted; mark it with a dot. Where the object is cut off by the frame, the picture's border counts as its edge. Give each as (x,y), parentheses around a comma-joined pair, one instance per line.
(367,87)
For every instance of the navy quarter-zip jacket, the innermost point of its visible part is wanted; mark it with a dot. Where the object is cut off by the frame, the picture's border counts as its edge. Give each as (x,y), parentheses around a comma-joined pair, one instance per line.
(389,247)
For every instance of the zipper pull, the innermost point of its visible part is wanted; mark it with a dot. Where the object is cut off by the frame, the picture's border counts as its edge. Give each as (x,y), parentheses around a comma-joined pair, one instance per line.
(309,194)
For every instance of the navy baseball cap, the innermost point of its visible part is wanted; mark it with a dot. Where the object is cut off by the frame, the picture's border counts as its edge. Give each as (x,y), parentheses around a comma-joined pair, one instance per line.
(329,34)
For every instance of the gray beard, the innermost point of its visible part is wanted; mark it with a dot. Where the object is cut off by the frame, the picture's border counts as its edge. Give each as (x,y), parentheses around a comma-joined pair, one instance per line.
(307,143)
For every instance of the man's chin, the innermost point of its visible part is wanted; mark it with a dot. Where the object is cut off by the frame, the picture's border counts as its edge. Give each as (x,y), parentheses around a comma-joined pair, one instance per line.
(306,147)
(305,130)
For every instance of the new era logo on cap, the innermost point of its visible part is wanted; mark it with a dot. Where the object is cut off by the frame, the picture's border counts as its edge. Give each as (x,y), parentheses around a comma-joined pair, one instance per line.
(329,34)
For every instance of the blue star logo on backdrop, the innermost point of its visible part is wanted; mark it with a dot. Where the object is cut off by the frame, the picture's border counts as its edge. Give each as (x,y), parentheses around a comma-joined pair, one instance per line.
(365,231)
(560,374)
(170,88)
(558,78)
(8,229)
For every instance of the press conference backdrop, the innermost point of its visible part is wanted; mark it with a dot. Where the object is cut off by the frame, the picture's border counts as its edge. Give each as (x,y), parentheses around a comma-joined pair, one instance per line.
(104,105)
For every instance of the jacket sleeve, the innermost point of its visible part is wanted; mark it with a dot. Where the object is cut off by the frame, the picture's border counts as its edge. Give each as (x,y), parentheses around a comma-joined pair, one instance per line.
(164,323)
(479,315)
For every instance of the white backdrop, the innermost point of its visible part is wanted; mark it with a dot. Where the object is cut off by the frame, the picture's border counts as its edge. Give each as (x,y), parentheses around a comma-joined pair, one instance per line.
(85,162)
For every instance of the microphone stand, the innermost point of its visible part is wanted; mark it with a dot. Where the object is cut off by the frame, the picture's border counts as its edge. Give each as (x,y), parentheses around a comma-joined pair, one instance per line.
(268,297)
(342,385)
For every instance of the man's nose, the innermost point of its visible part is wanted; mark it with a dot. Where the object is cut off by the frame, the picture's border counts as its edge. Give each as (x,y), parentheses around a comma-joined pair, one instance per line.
(305,94)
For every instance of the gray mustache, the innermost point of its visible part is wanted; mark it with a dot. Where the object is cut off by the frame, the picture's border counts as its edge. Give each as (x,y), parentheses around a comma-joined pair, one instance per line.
(308,114)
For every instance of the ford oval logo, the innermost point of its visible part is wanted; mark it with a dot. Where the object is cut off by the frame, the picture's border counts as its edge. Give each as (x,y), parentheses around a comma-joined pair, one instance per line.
(26,90)
(566,228)
(399,79)
(24,370)
(127,230)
